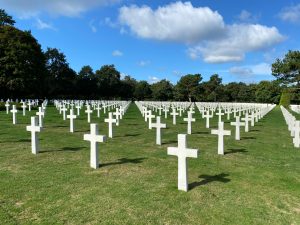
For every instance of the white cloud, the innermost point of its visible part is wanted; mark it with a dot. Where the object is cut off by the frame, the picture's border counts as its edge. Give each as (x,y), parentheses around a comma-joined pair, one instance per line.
(180,22)
(153,79)
(41,25)
(92,26)
(240,71)
(257,69)
(117,53)
(68,8)
(239,39)
(143,63)
(290,14)
(202,29)
(247,17)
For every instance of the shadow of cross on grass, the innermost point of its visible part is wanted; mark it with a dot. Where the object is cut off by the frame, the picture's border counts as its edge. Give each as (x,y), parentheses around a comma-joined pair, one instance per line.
(123,161)
(208,179)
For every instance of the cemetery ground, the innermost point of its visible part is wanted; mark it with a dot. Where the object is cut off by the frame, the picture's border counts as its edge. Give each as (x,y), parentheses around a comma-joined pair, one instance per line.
(255,182)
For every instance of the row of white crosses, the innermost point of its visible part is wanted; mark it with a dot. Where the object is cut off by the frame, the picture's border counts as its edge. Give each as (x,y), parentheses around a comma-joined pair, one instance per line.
(293,126)
(182,152)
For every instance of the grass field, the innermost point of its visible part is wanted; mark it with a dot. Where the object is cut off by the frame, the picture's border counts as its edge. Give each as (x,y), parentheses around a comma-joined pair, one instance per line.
(257,181)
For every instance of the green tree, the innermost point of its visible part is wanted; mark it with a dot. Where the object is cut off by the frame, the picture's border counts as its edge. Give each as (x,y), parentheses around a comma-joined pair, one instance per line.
(108,81)
(212,89)
(6,19)
(142,91)
(188,87)
(61,78)
(287,70)
(268,92)
(127,88)
(22,64)
(162,90)
(86,83)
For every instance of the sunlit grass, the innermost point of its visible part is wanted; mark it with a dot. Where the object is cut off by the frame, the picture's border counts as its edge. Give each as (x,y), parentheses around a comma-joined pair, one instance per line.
(255,182)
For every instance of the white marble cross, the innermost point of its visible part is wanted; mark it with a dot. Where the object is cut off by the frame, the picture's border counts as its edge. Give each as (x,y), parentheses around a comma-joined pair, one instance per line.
(207,116)
(189,121)
(40,114)
(117,113)
(182,152)
(150,117)
(174,114)
(88,111)
(72,117)
(34,128)
(237,125)
(166,110)
(64,110)
(221,133)
(220,114)
(110,120)
(158,127)
(29,105)
(246,119)
(94,138)
(14,112)
(78,107)
(24,108)
(98,108)
(7,107)
(296,139)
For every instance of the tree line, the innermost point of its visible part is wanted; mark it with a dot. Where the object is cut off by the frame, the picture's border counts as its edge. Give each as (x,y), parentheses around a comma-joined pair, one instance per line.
(28,72)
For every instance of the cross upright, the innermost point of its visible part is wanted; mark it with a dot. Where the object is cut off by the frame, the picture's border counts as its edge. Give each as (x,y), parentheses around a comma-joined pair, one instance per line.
(237,125)
(221,133)
(64,110)
(40,114)
(29,105)
(159,109)
(7,107)
(182,152)
(78,107)
(88,111)
(118,115)
(220,114)
(24,108)
(246,119)
(296,139)
(174,114)
(94,138)
(189,121)
(110,120)
(150,117)
(34,128)
(180,109)
(98,108)
(166,110)
(158,127)
(72,117)
(207,116)
(14,112)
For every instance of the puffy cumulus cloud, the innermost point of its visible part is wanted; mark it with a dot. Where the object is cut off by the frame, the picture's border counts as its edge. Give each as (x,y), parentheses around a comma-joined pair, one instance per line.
(257,69)
(68,8)
(117,53)
(247,17)
(180,22)
(291,14)
(238,39)
(202,29)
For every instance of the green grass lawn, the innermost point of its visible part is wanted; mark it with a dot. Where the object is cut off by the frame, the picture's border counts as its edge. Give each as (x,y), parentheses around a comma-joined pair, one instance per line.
(257,181)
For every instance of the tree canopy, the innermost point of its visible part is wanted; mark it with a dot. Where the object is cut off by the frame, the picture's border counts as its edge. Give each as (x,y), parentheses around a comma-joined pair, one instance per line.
(287,70)
(6,19)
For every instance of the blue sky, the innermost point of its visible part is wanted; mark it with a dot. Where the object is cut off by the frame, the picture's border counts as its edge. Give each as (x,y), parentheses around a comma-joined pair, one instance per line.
(153,40)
